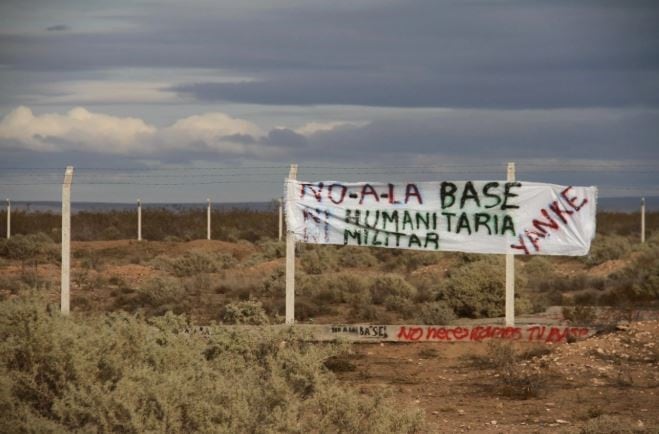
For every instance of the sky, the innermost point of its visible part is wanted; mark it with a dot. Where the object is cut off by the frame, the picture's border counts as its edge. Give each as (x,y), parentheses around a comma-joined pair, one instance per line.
(176,101)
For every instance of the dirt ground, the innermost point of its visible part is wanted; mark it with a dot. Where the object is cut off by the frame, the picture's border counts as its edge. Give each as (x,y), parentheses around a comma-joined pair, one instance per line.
(615,374)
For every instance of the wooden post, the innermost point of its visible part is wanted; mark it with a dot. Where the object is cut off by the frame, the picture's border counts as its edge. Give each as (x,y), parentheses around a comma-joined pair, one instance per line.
(290,255)
(208,220)
(139,220)
(642,220)
(66,241)
(8,219)
(510,269)
(281,218)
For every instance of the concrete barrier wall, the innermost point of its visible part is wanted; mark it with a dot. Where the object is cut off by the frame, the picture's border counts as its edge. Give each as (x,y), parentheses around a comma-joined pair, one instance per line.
(426,333)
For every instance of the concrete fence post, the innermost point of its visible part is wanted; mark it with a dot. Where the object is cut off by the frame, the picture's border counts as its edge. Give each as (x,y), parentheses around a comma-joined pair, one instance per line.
(66,241)
(8,219)
(139,220)
(290,255)
(208,220)
(642,220)
(510,268)
(281,218)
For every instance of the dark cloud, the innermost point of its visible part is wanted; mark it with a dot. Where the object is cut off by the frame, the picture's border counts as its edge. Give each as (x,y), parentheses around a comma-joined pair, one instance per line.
(286,138)
(421,53)
(58,28)
(505,135)
(469,90)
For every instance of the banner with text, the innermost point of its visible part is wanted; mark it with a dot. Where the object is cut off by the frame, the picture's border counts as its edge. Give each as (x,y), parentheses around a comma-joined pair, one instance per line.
(466,216)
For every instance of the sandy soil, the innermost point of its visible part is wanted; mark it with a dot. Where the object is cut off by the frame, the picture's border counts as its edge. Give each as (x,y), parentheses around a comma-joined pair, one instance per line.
(614,374)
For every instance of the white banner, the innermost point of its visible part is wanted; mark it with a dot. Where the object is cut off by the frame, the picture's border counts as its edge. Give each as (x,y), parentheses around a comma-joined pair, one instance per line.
(466,216)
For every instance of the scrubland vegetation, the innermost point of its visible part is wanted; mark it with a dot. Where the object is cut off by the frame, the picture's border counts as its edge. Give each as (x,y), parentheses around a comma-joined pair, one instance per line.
(127,360)
(242,281)
(118,373)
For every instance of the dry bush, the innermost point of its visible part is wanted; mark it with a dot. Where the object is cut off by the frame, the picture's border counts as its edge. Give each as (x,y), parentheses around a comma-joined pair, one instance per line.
(193,263)
(607,247)
(29,247)
(636,284)
(520,384)
(318,259)
(391,285)
(245,312)
(356,257)
(435,313)
(117,373)
(513,381)
(155,296)
(402,305)
(582,315)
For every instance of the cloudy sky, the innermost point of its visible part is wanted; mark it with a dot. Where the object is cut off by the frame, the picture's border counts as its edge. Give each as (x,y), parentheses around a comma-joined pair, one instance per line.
(409,90)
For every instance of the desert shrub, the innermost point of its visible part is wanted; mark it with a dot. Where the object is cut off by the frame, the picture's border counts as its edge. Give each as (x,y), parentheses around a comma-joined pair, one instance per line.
(367,312)
(391,285)
(309,309)
(25,247)
(513,380)
(154,297)
(521,384)
(538,267)
(403,305)
(13,284)
(607,247)
(272,249)
(580,314)
(340,287)
(197,283)
(275,283)
(117,373)
(356,257)
(435,313)
(476,289)
(363,309)
(412,260)
(406,261)
(193,263)
(318,259)
(237,282)
(638,283)
(245,312)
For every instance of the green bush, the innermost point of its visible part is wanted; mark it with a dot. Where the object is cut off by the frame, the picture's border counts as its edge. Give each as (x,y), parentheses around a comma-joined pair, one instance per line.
(475,289)
(117,373)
